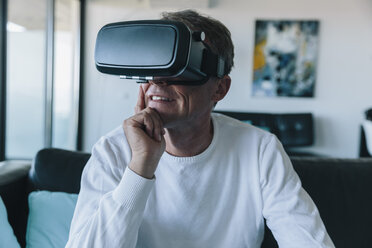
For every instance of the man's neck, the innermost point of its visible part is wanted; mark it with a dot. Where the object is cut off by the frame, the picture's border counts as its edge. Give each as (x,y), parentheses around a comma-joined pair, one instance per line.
(187,141)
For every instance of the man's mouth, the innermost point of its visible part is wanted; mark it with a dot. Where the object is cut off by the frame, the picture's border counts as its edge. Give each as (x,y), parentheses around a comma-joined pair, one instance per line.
(160,98)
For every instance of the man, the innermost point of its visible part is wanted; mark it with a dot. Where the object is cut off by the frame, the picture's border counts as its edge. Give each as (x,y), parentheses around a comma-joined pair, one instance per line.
(180,177)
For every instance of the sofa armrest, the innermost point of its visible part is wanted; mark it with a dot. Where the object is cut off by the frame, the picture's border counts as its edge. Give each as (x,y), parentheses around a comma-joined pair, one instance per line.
(13,191)
(11,171)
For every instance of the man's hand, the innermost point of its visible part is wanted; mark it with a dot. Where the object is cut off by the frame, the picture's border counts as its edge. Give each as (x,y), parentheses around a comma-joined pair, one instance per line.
(144,132)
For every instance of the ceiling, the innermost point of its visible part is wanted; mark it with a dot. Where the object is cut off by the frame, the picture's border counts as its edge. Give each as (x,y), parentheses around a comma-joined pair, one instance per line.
(179,4)
(31,14)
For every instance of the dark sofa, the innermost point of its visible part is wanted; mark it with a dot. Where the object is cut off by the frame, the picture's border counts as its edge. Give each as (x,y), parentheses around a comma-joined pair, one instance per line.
(339,187)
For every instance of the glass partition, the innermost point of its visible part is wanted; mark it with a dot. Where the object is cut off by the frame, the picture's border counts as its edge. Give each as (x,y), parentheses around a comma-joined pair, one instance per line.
(26,34)
(42,96)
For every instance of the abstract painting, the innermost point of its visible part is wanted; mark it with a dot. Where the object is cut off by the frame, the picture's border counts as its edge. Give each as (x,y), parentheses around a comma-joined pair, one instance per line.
(285,58)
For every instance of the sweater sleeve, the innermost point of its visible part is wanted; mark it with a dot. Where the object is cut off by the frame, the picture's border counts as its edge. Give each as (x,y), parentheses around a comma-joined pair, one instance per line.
(289,211)
(111,202)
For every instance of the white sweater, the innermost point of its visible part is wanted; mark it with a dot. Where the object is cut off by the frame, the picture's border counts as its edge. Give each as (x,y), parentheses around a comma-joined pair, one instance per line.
(218,198)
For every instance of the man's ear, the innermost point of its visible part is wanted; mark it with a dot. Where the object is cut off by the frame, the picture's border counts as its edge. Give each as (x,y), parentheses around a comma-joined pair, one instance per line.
(223,86)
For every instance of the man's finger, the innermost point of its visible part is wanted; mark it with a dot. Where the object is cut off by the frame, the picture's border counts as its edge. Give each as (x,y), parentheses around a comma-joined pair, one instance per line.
(141,100)
(148,122)
(158,123)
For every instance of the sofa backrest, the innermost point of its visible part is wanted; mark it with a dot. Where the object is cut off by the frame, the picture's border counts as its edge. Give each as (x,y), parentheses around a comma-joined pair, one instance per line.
(292,129)
(339,187)
(57,170)
(341,190)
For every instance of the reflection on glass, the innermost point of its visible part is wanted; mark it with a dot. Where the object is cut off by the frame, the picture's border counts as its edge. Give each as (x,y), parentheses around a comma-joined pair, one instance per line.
(65,73)
(26,32)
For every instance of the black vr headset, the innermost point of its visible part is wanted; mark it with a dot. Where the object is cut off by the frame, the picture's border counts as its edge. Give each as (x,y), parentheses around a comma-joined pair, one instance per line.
(157,50)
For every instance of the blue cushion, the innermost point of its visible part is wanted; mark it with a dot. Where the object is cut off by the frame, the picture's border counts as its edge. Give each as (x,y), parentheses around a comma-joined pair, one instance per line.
(49,218)
(7,238)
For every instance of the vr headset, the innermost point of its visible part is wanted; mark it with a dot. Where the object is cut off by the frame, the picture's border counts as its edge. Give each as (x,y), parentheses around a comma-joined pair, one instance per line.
(157,50)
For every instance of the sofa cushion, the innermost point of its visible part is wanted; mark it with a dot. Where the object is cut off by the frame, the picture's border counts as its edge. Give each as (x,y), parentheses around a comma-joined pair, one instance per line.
(7,238)
(49,218)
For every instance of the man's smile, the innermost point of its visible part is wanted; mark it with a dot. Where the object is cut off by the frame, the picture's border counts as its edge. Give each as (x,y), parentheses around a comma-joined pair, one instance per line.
(160,98)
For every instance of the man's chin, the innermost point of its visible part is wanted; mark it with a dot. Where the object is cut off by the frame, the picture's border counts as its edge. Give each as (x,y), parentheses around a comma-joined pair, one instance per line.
(169,116)
(168,119)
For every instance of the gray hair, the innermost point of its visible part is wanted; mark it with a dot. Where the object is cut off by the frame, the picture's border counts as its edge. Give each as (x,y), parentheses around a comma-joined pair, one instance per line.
(217,35)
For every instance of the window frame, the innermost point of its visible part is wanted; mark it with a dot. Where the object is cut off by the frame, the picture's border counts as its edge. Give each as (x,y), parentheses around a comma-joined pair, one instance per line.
(3,37)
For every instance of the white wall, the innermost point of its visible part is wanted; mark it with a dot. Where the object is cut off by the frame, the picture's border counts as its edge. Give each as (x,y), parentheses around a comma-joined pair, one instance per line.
(344,76)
